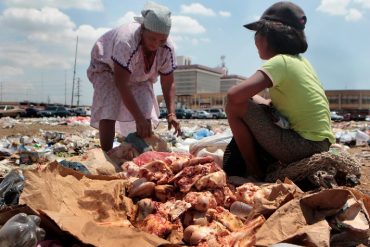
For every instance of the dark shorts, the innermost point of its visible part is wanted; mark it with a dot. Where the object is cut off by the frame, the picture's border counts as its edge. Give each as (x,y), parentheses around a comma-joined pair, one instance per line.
(285,145)
(273,142)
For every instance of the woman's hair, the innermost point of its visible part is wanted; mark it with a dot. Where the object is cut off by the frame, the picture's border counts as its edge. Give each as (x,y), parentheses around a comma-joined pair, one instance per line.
(283,39)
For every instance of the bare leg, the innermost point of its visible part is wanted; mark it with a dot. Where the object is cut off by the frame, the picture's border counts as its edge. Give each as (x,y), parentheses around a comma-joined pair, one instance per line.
(106,134)
(243,138)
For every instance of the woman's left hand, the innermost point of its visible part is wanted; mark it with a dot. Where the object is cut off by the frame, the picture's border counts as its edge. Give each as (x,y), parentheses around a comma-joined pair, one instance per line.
(173,121)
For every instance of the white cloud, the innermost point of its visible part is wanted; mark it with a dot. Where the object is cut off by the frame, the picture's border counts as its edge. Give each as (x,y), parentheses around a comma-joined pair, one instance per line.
(334,7)
(9,71)
(342,8)
(363,3)
(224,13)
(26,56)
(128,17)
(90,5)
(186,25)
(29,20)
(197,9)
(205,40)
(180,41)
(44,38)
(353,15)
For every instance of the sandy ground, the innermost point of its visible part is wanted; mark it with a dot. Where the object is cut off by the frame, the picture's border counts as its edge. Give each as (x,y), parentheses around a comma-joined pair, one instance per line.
(361,153)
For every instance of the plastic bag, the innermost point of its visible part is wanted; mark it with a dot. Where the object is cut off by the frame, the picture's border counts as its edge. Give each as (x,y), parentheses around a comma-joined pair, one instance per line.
(202,133)
(212,143)
(11,187)
(21,230)
(212,146)
(75,166)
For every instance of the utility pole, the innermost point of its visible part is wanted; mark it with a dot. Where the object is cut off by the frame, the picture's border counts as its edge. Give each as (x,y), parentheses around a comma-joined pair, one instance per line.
(42,87)
(1,93)
(74,74)
(78,91)
(65,87)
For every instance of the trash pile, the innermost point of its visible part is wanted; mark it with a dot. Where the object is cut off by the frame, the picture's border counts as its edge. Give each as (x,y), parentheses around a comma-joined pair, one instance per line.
(171,190)
(352,133)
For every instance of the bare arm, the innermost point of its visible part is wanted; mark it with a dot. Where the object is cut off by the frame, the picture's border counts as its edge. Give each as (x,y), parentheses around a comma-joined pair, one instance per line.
(241,93)
(168,88)
(236,108)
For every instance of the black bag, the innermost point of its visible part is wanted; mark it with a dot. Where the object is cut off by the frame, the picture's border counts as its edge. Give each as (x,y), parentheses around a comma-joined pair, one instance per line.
(233,162)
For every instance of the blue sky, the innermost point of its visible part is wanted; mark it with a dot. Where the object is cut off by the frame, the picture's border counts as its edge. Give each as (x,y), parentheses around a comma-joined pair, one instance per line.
(38,40)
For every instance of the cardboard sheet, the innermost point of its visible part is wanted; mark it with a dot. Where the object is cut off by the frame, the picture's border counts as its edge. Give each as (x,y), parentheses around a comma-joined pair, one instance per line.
(91,208)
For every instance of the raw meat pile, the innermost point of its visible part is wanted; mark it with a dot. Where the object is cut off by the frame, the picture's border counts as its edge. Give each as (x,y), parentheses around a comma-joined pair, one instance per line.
(187,200)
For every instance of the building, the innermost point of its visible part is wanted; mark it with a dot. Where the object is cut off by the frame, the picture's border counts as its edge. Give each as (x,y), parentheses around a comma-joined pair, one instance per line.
(227,81)
(182,60)
(199,86)
(194,79)
(351,101)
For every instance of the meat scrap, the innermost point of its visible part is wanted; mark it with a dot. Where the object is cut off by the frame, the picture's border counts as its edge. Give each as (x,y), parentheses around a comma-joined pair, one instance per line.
(198,235)
(211,181)
(156,171)
(230,221)
(201,201)
(245,193)
(224,196)
(191,174)
(166,157)
(177,233)
(164,192)
(145,207)
(245,237)
(156,224)
(141,188)
(173,208)
(129,170)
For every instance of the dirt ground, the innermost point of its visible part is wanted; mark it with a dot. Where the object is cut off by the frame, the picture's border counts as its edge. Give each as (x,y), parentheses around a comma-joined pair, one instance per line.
(361,153)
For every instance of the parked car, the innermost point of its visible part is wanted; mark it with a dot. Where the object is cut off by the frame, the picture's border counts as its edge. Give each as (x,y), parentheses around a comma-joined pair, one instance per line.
(30,112)
(183,113)
(203,115)
(347,117)
(216,113)
(88,111)
(54,111)
(11,111)
(358,117)
(189,113)
(162,113)
(78,111)
(336,117)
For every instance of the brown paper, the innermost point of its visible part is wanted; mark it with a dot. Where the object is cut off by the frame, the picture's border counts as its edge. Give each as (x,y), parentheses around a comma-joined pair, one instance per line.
(273,196)
(91,208)
(97,162)
(303,221)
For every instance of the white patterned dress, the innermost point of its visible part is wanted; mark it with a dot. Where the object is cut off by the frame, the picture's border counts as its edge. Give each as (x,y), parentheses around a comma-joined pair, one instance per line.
(122,45)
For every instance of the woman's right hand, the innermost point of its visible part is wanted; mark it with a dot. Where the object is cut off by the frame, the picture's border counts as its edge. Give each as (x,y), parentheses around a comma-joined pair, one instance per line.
(144,128)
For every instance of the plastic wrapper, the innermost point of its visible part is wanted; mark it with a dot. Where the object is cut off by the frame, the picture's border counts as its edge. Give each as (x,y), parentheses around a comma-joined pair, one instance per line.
(11,187)
(21,230)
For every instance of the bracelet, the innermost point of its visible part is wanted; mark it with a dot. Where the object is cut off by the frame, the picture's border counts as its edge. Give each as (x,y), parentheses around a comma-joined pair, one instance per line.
(171,115)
